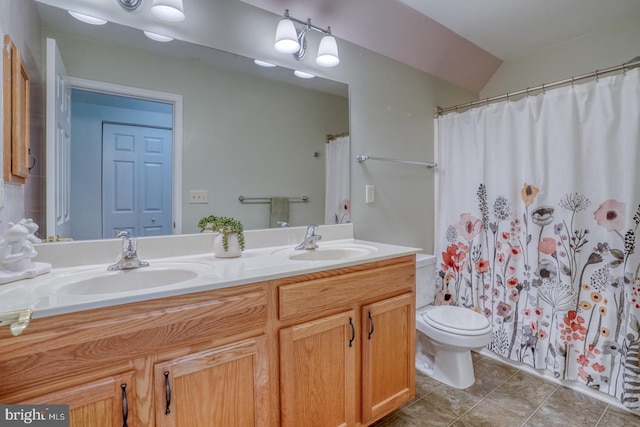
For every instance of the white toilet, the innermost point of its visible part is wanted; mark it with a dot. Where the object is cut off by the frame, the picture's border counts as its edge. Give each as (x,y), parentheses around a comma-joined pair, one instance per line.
(445,334)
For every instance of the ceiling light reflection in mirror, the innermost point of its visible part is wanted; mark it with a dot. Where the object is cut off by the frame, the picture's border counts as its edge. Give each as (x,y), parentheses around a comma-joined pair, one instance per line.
(87,19)
(157,37)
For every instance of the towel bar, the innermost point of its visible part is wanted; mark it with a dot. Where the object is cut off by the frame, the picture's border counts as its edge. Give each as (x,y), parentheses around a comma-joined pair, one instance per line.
(244,199)
(363,158)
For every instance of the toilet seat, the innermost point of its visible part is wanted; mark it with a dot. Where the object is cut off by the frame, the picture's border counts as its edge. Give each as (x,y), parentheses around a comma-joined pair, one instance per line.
(455,320)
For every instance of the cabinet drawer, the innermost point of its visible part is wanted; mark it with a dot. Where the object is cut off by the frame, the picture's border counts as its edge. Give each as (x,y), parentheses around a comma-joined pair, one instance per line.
(325,293)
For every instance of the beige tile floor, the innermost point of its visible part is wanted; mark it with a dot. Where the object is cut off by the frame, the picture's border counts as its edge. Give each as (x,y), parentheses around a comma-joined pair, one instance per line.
(504,396)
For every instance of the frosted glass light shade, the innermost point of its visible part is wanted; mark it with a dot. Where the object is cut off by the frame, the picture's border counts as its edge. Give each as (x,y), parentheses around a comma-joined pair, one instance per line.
(286,37)
(168,10)
(87,19)
(328,52)
(157,37)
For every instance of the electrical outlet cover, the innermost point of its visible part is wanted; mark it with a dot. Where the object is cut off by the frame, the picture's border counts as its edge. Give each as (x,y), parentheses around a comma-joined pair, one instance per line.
(198,196)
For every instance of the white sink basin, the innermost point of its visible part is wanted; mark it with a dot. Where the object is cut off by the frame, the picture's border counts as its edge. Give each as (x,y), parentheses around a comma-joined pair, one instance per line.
(329,252)
(103,282)
(127,280)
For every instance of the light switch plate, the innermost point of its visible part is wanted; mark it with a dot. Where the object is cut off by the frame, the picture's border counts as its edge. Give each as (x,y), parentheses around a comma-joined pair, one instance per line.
(370,193)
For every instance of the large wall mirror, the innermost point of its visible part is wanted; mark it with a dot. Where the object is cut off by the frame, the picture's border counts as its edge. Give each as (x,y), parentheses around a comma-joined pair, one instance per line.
(244,130)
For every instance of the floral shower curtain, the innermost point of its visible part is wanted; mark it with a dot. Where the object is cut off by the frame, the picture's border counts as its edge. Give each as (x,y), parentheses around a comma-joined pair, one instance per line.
(338,187)
(537,216)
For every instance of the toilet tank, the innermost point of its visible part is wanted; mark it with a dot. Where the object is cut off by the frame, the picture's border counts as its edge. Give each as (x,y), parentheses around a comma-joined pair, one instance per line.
(425,280)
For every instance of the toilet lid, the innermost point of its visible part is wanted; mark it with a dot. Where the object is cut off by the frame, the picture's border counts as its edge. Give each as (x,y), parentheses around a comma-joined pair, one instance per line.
(453,317)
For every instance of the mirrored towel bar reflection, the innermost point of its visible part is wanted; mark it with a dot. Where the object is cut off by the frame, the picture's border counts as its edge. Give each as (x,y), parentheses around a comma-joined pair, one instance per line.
(244,199)
(363,158)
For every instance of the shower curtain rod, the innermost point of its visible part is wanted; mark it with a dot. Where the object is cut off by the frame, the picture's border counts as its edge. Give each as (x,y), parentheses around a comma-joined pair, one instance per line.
(635,62)
(336,136)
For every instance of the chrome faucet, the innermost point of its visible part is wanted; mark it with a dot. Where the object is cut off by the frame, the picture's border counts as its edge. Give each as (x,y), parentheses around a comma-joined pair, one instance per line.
(310,239)
(129,257)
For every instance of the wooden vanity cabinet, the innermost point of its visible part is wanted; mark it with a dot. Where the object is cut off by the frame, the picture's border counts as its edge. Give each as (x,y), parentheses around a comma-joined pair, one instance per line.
(347,344)
(330,348)
(212,344)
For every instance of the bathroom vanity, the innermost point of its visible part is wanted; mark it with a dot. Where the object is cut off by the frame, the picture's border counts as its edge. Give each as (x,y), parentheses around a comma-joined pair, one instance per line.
(263,340)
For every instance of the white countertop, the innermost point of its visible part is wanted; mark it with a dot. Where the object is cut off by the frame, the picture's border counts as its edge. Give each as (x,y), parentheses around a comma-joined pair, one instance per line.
(44,296)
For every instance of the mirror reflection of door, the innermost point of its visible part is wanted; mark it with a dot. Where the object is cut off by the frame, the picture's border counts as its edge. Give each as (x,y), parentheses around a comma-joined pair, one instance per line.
(136,180)
(121,165)
(58,130)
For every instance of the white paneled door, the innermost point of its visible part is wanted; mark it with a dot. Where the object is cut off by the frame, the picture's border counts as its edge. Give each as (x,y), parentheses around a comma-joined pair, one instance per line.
(136,180)
(58,144)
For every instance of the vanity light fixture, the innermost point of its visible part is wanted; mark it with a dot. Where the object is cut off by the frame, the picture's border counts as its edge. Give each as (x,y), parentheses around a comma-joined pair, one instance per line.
(157,37)
(169,10)
(291,40)
(87,18)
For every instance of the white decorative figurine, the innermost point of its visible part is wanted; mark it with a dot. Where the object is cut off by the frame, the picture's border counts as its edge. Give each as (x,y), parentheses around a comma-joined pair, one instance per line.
(17,251)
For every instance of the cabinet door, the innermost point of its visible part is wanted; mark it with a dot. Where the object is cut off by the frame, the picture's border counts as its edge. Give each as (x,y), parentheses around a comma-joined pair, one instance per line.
(318,372)
(106,402)
(226,386)
(388,355)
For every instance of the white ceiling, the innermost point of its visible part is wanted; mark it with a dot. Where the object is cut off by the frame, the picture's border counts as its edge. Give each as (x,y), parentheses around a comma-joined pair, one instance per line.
(510,29)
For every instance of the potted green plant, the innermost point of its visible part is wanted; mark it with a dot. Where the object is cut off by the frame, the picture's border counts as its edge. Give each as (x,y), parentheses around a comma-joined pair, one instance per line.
(230,240)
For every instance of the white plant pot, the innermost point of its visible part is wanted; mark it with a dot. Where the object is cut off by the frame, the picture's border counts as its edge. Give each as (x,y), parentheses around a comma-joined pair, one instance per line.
(233,249)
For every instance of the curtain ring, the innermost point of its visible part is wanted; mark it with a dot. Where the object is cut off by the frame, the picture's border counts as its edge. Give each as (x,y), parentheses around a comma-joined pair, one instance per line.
(527,92)
(543,91)
(487,102)
(573,79)
(507,96)
(597,76)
